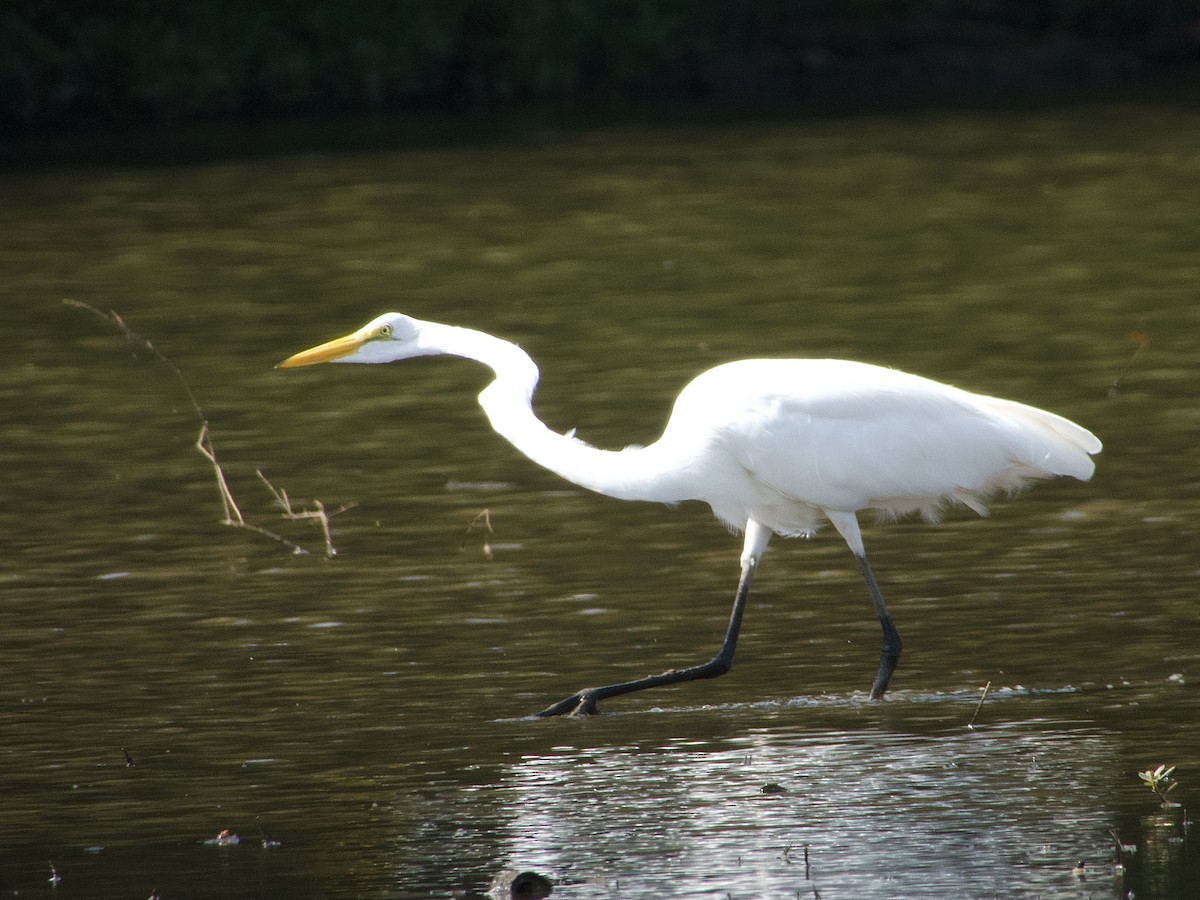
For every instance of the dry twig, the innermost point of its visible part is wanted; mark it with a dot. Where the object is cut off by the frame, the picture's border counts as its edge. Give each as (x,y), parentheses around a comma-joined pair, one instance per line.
(484,517)
(232,514)
(979,705)
(317,513)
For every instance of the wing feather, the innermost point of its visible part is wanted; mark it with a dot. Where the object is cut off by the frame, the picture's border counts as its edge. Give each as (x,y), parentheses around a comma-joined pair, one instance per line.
(839,435)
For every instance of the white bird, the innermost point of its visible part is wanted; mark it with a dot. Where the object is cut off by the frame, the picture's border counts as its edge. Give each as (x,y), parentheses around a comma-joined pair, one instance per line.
(774,446)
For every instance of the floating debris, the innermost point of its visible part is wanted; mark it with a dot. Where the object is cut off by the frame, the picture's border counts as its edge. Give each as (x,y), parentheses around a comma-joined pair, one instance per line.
(513,885)
(979,705)
(225,839)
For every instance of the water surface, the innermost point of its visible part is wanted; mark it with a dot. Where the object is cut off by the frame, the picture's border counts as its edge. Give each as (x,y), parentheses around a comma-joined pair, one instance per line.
(367,711)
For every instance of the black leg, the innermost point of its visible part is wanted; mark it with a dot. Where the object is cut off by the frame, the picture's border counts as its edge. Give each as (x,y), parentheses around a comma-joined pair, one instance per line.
(889,655)
(584,703)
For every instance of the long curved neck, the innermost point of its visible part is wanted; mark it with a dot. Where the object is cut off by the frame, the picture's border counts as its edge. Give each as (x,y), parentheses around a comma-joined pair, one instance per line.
(630,474)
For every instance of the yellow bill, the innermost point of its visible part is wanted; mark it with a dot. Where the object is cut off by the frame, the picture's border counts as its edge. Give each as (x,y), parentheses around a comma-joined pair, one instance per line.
(327,352)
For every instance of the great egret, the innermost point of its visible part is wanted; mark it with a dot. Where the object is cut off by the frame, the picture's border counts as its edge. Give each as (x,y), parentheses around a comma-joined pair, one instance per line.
(774,446)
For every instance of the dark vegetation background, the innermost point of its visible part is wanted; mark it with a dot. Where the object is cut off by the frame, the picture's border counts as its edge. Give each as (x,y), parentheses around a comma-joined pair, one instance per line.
(121,63)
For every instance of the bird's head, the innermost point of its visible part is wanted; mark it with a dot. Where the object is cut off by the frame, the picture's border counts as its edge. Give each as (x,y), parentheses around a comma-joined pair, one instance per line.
(388,338)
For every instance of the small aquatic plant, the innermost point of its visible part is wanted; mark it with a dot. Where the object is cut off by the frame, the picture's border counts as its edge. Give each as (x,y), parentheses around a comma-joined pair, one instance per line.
(1160,781)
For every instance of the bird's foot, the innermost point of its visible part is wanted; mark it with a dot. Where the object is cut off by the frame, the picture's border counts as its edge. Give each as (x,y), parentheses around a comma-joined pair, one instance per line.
(887,665)
(583,703)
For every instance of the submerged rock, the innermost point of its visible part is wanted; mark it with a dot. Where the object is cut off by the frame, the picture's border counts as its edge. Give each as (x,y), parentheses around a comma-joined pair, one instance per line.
(513,885)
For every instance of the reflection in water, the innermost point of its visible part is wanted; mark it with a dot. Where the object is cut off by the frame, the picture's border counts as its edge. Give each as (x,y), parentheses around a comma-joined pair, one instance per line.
(996,811)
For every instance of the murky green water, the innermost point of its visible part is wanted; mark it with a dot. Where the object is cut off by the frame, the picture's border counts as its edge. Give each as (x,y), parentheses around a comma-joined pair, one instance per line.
(366,711)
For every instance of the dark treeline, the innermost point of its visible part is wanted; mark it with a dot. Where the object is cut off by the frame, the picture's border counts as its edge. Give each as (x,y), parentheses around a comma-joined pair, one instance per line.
(119,62)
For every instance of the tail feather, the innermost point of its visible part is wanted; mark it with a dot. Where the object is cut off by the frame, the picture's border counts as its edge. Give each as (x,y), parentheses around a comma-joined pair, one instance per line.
(1049,444)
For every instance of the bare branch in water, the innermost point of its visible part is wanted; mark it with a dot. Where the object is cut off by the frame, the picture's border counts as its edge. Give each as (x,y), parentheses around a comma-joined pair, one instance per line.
(204,444)
(138,341)
(484,520)
(233,515)
(318,513)
(979,705)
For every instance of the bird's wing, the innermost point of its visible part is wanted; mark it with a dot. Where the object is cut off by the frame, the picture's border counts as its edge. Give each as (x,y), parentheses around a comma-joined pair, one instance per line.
(847,436)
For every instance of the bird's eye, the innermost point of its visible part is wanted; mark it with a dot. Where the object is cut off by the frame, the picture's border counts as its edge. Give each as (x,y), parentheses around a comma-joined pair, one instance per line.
(384,331)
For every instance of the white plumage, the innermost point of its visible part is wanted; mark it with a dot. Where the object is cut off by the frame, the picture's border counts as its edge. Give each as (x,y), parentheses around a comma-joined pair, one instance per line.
(774,446)
(799,437)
